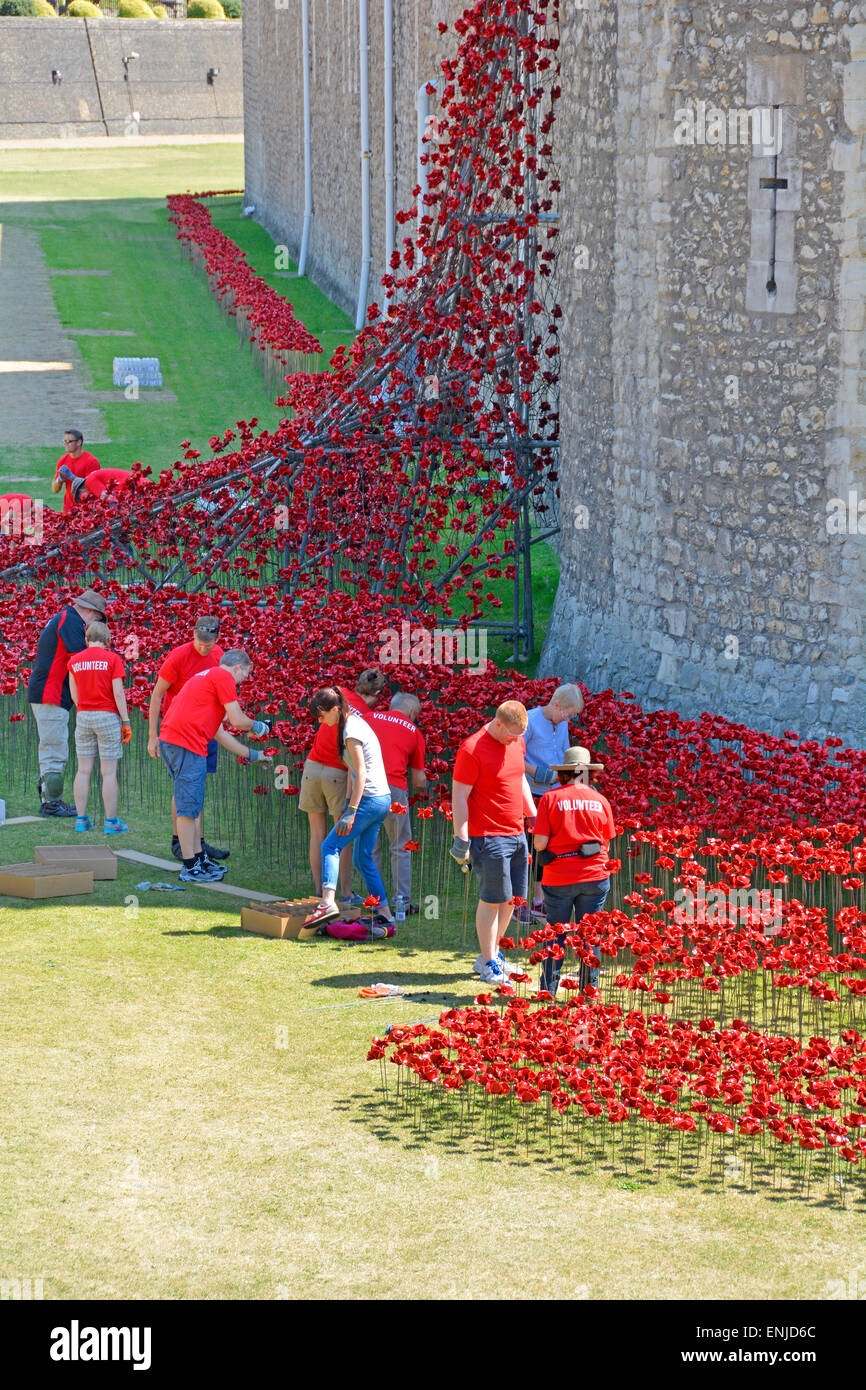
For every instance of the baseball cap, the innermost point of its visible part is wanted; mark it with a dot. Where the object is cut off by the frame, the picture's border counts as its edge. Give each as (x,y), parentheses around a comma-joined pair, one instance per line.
(207,628)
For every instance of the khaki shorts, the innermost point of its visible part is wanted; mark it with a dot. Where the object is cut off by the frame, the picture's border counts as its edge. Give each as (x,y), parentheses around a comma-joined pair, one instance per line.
(323,789)
(97,734)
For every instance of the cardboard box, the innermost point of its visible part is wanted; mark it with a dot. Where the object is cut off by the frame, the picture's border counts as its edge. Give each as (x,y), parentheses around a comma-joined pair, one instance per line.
(281,919)
(43,881)
(99,859)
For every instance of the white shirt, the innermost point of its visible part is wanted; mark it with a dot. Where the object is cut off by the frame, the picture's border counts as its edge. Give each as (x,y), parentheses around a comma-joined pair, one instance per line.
(377,782)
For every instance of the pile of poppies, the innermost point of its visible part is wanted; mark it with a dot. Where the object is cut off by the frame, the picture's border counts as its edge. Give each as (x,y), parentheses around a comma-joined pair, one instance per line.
(235,284)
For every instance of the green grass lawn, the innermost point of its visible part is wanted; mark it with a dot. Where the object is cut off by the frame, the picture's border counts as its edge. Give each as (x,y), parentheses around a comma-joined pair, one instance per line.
(188,1113)
(106,211)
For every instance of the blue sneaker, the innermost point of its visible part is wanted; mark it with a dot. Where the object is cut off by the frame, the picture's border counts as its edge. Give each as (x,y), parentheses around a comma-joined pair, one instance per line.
(114,826)
(83,823)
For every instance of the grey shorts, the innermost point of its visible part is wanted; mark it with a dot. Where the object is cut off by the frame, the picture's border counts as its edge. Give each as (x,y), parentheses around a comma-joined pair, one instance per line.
(501,865)
(188,772)
(97,734)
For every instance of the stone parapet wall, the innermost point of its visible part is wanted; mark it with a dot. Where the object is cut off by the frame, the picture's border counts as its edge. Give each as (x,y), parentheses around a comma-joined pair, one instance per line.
(166,91)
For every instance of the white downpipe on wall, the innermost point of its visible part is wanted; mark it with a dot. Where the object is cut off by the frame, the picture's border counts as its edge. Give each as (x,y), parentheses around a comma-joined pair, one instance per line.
(390,177)
(364,52)
(422,106)
(308,142)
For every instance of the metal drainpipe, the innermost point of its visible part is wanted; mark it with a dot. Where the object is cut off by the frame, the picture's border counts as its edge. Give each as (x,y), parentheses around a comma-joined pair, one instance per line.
(390,178)
(308,141)
(422,106)
(364,52)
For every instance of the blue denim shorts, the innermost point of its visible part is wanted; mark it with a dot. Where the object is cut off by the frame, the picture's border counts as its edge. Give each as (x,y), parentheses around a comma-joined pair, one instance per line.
(188,772)
(501,865)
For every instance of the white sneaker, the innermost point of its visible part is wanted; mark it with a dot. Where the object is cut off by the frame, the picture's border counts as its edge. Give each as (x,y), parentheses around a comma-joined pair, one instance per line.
(493,974)
(506,966)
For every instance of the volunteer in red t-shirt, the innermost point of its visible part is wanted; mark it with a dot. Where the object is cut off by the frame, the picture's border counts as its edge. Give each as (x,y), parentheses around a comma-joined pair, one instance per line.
(20,515)
(196,716)
(75,463)
(324,782)
(490,798)
(402,745)
(572,831)
(203,653)
(96,482)
(101,724)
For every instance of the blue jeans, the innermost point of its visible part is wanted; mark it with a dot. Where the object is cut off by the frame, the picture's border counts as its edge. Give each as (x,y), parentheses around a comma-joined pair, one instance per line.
(560,901)
(369,816)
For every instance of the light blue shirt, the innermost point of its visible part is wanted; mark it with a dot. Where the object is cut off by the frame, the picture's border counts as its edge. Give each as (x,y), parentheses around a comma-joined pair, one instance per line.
(545,743)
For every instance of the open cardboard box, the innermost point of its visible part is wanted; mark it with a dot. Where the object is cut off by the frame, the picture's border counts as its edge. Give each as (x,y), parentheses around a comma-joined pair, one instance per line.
(99,859)
(280,919)
(286,919)
(44,881)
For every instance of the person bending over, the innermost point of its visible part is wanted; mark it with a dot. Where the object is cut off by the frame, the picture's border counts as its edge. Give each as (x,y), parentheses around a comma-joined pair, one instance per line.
(324,781)
(196,716)
(366,806)
(546,740)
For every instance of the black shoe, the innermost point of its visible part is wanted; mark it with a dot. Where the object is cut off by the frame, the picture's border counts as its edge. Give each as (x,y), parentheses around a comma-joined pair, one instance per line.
(212,866)
(56,808)
(175,848)
(412,910)
(214,853)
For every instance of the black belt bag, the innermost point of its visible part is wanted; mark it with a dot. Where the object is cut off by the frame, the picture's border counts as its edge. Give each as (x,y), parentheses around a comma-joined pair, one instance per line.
(587,850)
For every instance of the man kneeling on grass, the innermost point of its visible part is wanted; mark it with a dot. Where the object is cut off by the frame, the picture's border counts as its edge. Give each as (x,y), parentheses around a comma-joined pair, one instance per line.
(490,798)
(101,724)
(196,716)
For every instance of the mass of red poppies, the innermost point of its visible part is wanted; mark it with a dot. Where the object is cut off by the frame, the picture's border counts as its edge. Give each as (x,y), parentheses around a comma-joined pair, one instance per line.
(233,281)
(396,488)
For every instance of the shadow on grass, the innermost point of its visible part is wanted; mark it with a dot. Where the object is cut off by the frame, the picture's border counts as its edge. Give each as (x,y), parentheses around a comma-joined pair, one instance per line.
(356,981)
(212,931)
(522,1139)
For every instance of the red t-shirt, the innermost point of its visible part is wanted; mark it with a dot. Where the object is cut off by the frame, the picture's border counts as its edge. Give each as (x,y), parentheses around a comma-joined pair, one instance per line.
(181,663)
(324,749)
(84,464)
(94,669)
(16,509)
(199,709)
(495,772)
(402,744)
(569,816)
(99,480)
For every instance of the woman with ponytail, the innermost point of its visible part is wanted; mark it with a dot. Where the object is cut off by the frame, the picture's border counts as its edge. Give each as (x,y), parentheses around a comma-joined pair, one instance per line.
(367,803)
(324,782)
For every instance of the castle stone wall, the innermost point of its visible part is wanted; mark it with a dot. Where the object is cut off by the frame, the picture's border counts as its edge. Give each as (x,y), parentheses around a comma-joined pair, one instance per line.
(708,426)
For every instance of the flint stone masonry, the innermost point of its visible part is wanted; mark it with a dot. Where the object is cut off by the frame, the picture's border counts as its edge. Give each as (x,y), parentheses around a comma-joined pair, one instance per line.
(167,92)
(706,433)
